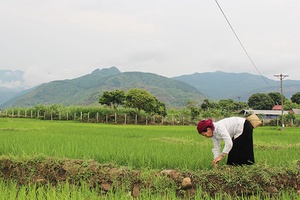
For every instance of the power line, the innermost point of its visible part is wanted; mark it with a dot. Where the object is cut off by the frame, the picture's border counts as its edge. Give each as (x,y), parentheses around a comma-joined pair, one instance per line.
(241,43)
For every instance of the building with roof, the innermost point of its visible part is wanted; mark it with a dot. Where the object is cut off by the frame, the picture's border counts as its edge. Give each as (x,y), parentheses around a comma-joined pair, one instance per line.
(277,107)
(295,111)
(266,114)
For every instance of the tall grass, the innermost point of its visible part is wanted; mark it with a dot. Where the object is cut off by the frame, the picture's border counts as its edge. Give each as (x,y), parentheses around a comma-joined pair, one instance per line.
(153,147)
(11,191)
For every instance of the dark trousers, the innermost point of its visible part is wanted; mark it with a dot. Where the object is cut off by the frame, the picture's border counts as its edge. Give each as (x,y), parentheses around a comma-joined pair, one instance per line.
(242,150)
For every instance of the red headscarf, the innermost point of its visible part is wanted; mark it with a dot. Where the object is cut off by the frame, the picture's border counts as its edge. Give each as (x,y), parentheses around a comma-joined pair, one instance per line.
(202,125)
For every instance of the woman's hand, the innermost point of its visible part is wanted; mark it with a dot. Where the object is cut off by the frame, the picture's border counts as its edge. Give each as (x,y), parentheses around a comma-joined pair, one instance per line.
(217,160)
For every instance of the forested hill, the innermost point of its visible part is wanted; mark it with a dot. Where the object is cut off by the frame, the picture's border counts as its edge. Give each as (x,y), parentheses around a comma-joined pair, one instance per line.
(221,85)
(86,90)
(174,92)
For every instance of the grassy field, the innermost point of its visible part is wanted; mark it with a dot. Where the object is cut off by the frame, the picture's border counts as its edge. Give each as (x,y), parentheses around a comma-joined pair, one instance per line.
(134,146)
(154,147)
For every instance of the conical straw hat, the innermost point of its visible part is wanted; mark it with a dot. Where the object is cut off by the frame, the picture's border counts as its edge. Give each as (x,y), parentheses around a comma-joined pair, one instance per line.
(254,120)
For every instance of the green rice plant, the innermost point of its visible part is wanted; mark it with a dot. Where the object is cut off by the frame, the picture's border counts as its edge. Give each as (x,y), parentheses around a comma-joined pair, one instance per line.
(12,191)
(277,147)
(136,146)
(152,147)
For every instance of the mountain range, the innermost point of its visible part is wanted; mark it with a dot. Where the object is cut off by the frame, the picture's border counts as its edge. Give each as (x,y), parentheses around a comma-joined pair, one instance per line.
(221,85)
(174,92)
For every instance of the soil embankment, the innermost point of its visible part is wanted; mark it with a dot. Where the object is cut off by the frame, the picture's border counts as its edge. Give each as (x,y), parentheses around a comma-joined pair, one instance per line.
(107,177)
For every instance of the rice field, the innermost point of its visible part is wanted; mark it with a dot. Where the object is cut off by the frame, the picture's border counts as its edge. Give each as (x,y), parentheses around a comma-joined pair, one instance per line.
(134,146)
(10,191)
(154,147)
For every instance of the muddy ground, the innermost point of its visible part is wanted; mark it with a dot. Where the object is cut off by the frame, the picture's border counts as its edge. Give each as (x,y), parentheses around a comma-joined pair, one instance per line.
(234,181)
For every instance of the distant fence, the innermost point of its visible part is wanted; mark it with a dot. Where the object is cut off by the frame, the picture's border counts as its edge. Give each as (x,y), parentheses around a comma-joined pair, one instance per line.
(111,117)
(97,117)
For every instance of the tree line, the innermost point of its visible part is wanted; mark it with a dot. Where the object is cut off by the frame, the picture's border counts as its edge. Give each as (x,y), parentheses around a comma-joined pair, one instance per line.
(139,106)
(262,101)
(143,100)
(138,99)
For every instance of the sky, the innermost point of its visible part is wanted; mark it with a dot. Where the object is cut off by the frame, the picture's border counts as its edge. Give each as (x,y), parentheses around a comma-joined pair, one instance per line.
(65,39)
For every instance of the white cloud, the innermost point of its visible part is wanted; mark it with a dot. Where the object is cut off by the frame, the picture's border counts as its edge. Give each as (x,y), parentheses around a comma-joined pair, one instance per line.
(11,84)
(66,39)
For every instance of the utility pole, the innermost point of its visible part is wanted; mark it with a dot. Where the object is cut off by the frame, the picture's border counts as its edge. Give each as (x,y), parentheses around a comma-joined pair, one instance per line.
(281,77)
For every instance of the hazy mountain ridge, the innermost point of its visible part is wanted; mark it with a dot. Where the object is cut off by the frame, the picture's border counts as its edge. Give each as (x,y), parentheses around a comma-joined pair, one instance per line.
(8,93)
(222,85)
(86,90)
(67,92)
(174,92)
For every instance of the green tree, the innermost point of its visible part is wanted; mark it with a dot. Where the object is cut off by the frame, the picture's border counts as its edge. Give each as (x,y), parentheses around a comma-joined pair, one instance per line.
(289,118)
(40,108)
(296,98)
(194,112)
(142,100)
(228,105)
(213,113)
(160,108)
(276,97)
(289,105)
(207,104)
(243,105)
(112,98)
(260,101)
